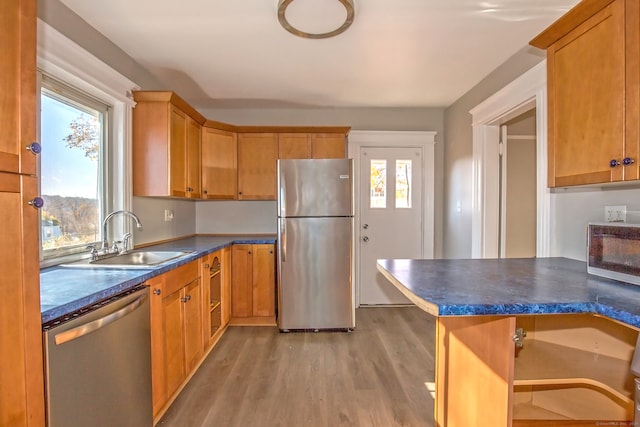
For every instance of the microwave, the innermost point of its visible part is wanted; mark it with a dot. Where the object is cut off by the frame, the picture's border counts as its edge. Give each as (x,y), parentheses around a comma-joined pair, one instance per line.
(614,251)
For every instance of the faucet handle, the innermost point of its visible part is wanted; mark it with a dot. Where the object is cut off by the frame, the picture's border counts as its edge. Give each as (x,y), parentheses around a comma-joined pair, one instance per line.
(126,237)
(94,251)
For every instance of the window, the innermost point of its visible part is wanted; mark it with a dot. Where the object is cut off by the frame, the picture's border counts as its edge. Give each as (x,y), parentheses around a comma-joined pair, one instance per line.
(403,183)
(378,196)
(73,132)
(378,184)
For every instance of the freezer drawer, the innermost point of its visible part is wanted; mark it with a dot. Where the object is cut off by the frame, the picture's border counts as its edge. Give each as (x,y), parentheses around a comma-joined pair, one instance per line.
(315,274)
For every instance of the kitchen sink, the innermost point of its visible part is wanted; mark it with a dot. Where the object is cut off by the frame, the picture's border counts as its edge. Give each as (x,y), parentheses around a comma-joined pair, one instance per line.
(133,259)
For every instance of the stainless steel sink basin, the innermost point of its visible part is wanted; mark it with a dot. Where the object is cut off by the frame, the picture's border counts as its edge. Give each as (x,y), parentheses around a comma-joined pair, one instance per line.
(134,259)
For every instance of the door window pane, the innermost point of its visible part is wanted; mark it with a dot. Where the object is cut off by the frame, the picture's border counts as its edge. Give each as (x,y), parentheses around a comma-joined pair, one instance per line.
(378,196)
(403,183)
(72,138)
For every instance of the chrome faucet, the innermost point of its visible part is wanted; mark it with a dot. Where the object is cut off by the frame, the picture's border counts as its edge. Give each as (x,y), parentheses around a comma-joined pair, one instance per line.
(105,240)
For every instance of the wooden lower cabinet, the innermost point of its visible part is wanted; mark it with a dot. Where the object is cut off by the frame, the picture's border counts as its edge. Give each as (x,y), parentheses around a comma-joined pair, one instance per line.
(216,292)
(21,375)
(572,369)
(253,294)
(176,330)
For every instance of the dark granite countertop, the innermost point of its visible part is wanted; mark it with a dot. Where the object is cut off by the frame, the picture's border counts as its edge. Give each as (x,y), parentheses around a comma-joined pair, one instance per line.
(64,290)
(511,287)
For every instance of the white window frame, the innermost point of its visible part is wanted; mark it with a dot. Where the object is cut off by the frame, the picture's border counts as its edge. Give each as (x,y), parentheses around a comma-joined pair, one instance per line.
(66,61)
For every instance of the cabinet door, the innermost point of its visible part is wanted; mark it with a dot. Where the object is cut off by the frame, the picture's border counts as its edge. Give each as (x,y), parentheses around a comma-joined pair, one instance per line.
(587,100)
(177,152)
(192,306)
(328,146)
(294,146)
(219,164)
(21,377)
(241,281)
(257,155)
(173,341)
(194,134)
(473,372)
(18,85)
(264,280)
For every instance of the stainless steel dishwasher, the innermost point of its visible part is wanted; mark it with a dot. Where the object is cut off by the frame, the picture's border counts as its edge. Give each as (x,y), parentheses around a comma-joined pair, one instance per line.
(98,365)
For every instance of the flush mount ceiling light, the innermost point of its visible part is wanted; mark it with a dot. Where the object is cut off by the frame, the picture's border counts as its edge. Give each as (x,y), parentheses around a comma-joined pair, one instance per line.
(284,4)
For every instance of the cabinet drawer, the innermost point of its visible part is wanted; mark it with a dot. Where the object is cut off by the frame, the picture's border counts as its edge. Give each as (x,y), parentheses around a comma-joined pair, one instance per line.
(177,278)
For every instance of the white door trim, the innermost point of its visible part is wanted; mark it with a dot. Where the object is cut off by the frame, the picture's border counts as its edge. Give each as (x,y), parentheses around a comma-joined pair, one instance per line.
(525,92)
(422,139)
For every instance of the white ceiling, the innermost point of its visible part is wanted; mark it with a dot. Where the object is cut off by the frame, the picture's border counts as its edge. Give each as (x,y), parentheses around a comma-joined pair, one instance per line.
(397,53)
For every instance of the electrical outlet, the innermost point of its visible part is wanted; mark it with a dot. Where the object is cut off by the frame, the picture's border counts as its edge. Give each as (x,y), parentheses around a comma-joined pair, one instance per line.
(168,215)
(615,213)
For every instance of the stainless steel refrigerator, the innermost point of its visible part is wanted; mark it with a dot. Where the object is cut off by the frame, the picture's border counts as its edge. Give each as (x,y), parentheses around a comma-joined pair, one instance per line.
(315,245)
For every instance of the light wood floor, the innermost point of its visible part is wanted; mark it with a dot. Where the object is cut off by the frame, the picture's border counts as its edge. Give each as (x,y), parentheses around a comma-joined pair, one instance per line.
(374,376)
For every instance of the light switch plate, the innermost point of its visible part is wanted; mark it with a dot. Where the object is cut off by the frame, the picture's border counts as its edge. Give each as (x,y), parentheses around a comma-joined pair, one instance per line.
(168,215)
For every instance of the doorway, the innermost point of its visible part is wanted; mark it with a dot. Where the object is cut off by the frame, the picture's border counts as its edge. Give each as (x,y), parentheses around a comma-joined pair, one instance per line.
(394,194)
(525,93)
(518,198)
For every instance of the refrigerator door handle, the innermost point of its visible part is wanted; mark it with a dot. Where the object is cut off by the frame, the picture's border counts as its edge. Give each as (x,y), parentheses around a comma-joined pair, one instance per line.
(283,239)
(282,202)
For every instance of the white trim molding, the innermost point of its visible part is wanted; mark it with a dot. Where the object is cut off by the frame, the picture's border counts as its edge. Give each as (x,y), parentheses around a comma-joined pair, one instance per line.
(524,93)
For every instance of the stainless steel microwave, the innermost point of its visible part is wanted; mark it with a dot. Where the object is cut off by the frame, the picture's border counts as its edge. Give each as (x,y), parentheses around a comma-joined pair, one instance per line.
(614,251)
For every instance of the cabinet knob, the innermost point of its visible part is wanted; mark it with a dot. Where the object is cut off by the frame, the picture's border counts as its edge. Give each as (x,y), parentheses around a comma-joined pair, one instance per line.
(613,163)
(207,265)
(157,291)
(37,202)
(627,161)
(35,148)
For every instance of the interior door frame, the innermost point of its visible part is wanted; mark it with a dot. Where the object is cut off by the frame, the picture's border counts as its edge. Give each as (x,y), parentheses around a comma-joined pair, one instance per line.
(524,93)
(358,140)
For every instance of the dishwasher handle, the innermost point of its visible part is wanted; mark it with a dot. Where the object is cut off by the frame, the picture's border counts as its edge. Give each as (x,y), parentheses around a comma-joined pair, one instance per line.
(94,325)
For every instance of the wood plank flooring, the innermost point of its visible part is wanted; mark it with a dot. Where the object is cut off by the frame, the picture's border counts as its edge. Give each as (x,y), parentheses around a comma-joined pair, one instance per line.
(374,376)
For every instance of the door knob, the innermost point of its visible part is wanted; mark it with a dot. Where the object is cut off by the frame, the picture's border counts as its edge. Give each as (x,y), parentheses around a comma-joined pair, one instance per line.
(365,239)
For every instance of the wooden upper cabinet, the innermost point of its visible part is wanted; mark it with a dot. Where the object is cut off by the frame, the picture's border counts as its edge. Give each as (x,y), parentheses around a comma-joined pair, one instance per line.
(593,93)
(257,155)
(219,164)
(312,146)
(294,146)
(18,86)
(328,146)
(166,146)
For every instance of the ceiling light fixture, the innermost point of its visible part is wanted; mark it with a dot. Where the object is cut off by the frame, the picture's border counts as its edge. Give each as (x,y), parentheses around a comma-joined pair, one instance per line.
(282,7)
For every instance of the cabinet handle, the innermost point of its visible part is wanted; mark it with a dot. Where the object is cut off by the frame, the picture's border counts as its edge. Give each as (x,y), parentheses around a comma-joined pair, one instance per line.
(36,202)
(207,265)
(157,291)
(627,161)
(185,298)
(613,163)
(34,147)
